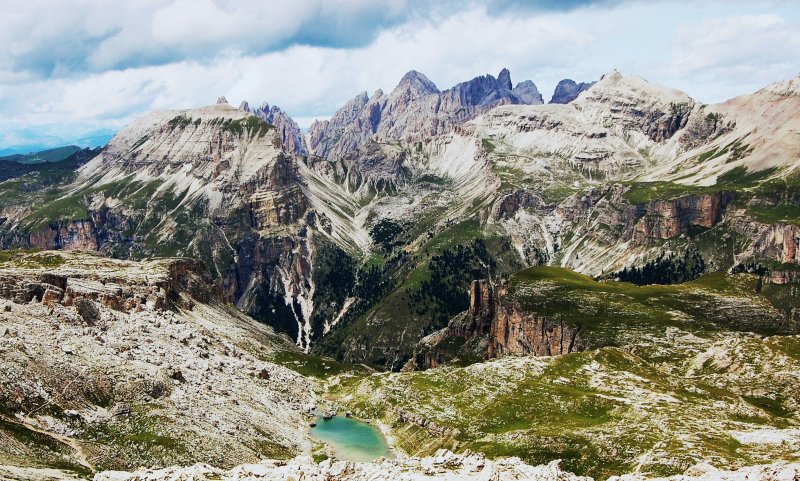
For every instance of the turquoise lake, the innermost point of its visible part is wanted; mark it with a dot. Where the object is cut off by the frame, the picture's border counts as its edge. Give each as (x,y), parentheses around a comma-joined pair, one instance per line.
(351,440)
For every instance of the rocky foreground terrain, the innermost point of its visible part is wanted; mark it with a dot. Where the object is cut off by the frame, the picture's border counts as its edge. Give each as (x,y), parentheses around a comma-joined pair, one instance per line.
(444,466)
(116,364)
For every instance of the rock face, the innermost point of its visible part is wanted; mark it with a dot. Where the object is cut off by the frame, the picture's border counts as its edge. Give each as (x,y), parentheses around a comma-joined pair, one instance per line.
(72,235)
(568,90)
(665,219)
(110,364)
(444,465)
(777,241)
(528,93)
(495,326)
(515,331)
(288,130)
(414,111)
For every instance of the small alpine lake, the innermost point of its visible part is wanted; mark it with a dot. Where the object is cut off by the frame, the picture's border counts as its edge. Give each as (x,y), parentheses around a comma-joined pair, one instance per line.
(352,440)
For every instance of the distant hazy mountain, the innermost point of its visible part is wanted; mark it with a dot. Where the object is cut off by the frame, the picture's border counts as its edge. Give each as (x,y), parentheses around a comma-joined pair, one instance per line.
(49,155)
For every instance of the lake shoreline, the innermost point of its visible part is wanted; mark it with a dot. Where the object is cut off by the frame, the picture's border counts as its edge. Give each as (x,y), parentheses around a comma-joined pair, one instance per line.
(352,439)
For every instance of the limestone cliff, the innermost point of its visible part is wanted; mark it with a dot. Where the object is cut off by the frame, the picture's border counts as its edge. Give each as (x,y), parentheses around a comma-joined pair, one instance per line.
(665,219)
(515,331)
(495,326)
(79,234)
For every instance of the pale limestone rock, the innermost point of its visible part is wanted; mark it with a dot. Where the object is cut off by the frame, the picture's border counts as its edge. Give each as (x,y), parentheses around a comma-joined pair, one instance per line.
(443,466)
(155,319)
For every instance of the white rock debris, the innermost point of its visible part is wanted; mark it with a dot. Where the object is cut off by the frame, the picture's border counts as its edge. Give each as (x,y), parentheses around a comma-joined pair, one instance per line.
(444,466)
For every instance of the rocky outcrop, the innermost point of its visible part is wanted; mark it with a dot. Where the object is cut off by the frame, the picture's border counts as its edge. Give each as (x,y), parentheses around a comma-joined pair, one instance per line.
(69,235)
(664,219)
(528,93)
(289,132)
(443,466)
(779,241)
(512,203)
(568,90)
(413,112)
(410,417)
(782,277)
(516,331)
(495,326)
(123,291)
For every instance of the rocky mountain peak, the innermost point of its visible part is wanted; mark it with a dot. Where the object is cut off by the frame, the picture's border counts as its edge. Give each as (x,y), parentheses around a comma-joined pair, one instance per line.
(415,110)
(634,88)
(288,131)
(222,100)
(528,93)
(568,90)
(417,83)
(631,103)
(504,79)
(244,106)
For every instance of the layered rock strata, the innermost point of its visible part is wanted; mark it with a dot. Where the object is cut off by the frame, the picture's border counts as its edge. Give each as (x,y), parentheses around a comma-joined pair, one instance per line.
(111,364)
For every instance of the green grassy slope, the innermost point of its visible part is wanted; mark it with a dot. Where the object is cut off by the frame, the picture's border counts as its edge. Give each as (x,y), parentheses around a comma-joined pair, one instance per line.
(675,383)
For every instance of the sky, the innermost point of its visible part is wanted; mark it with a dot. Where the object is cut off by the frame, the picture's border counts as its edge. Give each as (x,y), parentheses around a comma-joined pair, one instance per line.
(76,71)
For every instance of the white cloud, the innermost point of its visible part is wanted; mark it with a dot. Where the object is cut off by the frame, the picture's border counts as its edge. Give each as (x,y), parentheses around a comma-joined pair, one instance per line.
(61,77)
(305,81)
(732,46)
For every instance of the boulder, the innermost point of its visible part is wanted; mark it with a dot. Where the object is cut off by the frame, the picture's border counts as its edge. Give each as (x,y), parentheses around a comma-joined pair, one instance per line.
(88,311)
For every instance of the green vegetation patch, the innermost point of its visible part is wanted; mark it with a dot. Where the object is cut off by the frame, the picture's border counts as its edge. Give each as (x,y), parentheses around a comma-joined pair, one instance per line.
(609,311)
(772,214)
(600,412)
(30,259)
(314,366)
(734,180)
(250,124)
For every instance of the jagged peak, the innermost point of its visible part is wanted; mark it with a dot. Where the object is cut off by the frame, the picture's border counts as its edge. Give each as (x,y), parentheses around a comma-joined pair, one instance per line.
(568,90)
(222,100)
(244,106)
(526,83)
(417,82)
(528,92)
(504,79)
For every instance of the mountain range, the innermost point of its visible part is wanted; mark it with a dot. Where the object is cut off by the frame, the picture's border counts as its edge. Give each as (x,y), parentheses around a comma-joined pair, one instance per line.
(427,244)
